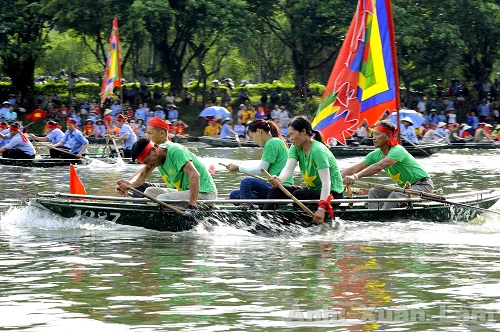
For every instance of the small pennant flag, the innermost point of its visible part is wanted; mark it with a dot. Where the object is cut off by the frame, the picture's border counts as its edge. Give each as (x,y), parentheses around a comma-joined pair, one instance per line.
(75,184)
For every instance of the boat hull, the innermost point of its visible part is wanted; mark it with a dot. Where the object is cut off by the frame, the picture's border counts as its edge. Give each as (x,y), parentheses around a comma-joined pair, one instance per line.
(473,145)
(142,213)
(227,143)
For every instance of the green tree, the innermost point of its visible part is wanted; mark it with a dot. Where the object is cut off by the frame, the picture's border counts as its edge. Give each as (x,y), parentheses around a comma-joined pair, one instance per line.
(428,43)
(23,38)
(312,30)
(92,22)
(479,27)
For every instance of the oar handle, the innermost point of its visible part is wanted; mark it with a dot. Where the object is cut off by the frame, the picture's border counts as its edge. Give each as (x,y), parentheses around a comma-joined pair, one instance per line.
(295,200)
(154,199)
(416,146)
(67,152)
(289,194)
(116,147)
(237,138)
(401,190)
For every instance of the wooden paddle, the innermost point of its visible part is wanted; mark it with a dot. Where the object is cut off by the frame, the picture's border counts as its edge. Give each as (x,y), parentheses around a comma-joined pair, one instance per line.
(116,148)
(67,152)
(416,146)
(428,196)
(295,200)
(237,138)
(157,201)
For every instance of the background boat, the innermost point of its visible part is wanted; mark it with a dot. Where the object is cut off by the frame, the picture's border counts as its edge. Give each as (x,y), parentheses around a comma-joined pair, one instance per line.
(227,142)
(420,150)
(474,145)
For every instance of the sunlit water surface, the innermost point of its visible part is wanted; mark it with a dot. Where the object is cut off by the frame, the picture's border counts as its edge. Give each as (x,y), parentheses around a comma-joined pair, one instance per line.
(60,274)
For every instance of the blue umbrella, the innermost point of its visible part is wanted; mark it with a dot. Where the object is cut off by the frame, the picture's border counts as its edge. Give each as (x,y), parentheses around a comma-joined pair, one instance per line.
(416,118)
(218,112)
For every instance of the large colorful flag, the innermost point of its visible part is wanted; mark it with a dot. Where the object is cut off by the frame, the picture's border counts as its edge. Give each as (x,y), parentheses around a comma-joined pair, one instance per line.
(364,81)
(75,184)
(36,115)
(113,71)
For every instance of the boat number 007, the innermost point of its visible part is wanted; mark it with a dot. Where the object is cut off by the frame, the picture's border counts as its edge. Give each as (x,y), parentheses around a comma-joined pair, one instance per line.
(112,216)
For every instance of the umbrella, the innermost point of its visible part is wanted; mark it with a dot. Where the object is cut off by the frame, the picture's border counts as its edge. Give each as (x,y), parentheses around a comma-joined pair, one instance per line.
(416,118)
(218,112)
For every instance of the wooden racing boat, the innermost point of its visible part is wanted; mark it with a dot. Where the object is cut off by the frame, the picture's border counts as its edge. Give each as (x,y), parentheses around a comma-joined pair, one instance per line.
(141,212)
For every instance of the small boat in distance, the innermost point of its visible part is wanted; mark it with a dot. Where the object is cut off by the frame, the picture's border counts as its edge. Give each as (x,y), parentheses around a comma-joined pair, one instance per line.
(227,142)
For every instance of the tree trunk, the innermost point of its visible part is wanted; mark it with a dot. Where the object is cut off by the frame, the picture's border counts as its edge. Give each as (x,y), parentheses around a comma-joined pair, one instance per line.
(22,75)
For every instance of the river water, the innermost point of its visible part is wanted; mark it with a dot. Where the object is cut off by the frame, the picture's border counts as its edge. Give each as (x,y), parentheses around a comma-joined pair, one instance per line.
(61,274)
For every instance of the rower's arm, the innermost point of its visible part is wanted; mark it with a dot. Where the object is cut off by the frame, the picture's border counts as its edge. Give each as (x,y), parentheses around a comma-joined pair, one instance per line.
(376,168)
(287,171)
(140,176)
(194,182)
(354,169)
(84,147)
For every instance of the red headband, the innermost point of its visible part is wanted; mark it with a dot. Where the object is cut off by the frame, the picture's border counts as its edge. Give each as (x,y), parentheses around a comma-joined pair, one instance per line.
(158,123)
(48,125)
(393,140)
(71,121)
(145,152)
(14,128)
(3,126)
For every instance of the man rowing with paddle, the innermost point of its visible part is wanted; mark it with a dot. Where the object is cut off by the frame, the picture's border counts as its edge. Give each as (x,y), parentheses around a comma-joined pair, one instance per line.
(393,159)
(74,139)
(126,135)
(54,136)
(178,167)
(157,132)
(19,147)
(318,167)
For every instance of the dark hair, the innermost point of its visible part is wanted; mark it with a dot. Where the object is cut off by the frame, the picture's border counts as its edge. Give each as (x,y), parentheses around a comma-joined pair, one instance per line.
(138,146)
(266,125)
(16,125)
(388,124)
(52,123)
(300,123)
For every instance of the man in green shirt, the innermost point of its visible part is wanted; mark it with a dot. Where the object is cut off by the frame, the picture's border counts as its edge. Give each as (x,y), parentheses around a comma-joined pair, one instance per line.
(395,161)
(178,167)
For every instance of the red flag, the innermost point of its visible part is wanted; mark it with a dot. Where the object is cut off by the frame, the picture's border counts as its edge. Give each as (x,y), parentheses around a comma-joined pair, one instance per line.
(75,184)
(364,83)
(36,115)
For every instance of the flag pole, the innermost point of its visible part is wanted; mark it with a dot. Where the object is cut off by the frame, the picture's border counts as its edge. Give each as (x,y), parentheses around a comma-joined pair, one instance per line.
(395,63)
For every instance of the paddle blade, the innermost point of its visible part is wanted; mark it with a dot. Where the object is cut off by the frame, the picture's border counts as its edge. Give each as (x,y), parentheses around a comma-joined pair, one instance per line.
(75,184)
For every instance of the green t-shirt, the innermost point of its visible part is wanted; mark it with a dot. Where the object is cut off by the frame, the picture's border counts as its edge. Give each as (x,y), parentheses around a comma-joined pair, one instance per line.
(170,171)
(405,169)
(276,154)
(319,157)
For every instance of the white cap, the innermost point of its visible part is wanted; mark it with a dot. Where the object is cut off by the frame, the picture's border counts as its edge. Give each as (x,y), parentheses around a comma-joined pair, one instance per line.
(441,124)
(408,119)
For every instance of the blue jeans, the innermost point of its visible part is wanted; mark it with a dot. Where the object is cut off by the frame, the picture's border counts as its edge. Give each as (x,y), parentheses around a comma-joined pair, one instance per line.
(251,188)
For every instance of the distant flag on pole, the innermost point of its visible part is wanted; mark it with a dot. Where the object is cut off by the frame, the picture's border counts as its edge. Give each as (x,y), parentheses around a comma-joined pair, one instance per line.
(113,71)
(364,81)
(36,115)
